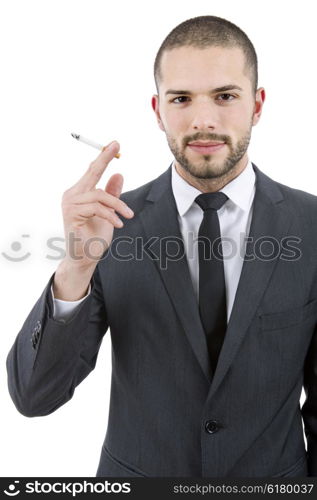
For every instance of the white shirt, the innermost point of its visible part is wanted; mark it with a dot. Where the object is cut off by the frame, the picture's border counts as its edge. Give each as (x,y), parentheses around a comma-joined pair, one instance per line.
(234,221)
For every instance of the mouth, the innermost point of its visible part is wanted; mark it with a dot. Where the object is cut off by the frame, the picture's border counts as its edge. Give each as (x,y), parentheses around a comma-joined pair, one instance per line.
(206,147)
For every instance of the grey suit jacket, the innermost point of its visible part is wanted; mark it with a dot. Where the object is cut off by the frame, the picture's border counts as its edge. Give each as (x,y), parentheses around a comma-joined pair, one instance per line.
(169,414)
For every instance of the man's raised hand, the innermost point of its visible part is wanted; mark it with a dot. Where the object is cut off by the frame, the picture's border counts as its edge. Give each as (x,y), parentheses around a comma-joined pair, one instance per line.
(89,217)
(89,214)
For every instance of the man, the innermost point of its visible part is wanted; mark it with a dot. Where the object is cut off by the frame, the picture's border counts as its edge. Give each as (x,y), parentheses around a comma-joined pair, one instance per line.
(211,344)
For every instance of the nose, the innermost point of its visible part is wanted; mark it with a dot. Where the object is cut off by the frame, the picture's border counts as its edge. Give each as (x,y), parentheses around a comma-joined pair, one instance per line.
(205,116)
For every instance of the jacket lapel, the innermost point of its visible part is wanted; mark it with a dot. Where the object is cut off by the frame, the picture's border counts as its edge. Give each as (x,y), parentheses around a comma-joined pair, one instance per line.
(160,222)
(269,219)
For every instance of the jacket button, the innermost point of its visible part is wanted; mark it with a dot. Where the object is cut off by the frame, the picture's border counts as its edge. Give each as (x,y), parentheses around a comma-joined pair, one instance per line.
(212,426)
(37,327)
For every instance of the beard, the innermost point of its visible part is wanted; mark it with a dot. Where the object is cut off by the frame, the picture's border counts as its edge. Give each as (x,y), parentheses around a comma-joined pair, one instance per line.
(209,167)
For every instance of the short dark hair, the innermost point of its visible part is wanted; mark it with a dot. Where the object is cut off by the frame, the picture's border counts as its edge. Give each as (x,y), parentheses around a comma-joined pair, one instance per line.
(205,31)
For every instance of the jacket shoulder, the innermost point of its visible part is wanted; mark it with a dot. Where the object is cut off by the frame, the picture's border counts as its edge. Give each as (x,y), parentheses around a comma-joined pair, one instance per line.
(301,202)
(298,201)
(135,198)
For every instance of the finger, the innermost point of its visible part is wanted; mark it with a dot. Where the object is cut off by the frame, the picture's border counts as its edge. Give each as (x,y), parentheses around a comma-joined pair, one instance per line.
(86,211)
(117,155)
(107,199)
(96,168)
(114,185)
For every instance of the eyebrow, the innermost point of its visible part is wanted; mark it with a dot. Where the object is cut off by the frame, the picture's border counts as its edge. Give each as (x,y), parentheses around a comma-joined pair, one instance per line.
(218,89)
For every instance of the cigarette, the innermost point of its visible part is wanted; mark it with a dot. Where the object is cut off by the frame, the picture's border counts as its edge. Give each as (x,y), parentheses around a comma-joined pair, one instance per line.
(94,144)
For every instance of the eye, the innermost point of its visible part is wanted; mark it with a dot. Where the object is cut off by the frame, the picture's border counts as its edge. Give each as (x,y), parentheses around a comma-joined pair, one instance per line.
(227,95)
(180,97)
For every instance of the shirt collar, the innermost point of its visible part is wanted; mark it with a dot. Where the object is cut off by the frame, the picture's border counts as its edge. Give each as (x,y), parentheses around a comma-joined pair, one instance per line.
(239,190)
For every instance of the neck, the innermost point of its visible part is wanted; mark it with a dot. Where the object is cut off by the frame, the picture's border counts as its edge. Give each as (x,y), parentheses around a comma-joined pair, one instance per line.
(212,185)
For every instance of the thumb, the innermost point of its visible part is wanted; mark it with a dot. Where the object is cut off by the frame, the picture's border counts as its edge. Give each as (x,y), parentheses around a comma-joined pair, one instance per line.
(114,185)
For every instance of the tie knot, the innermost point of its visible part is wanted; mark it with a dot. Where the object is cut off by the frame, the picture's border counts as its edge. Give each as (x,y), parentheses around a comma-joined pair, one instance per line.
(211,200)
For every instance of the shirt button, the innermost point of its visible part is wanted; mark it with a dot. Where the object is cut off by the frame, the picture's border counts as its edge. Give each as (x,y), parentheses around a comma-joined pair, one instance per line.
(212,426)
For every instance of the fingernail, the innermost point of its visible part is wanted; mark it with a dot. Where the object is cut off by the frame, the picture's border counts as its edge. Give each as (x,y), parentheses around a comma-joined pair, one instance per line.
(128,211)
(108,145)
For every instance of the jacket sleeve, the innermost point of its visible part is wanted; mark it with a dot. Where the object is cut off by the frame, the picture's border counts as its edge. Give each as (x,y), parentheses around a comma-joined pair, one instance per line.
(65,309)
(309,409)
(50,357)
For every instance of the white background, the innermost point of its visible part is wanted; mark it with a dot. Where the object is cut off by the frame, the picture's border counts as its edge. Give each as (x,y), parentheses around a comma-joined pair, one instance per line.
(87,67)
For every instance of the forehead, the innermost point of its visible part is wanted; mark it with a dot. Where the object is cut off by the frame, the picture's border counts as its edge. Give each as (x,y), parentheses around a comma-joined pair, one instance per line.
(212,65)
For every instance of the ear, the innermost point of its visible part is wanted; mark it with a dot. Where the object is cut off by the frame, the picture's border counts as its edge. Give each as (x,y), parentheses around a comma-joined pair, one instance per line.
(258,106)
(155,107)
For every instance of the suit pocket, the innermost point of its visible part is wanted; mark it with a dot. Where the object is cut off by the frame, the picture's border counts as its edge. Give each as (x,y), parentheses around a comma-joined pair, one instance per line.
(110,466)
(291,317)
(298,469)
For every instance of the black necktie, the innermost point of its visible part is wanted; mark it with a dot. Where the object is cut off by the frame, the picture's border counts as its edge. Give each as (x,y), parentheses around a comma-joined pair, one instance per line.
(212,290)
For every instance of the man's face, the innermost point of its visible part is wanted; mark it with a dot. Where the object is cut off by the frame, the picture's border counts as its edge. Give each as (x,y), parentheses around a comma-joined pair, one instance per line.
(195,104)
